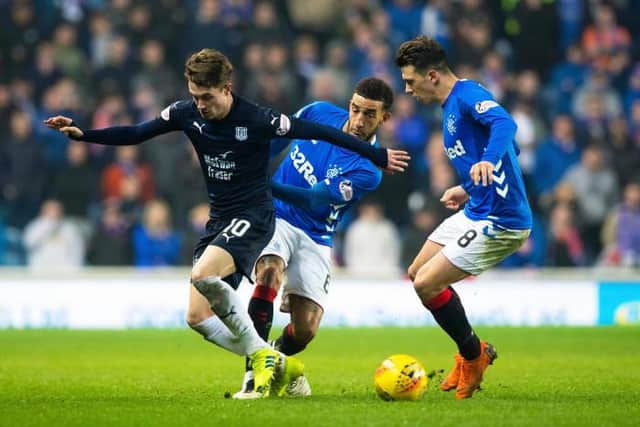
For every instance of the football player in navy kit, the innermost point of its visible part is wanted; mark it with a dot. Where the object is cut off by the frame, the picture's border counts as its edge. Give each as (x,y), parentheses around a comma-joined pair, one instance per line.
(231,136)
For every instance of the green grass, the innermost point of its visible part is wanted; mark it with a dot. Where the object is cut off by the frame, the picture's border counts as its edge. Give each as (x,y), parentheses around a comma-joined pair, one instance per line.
(543,377)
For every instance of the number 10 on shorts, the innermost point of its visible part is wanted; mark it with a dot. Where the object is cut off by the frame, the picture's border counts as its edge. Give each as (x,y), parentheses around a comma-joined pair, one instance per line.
(237,227)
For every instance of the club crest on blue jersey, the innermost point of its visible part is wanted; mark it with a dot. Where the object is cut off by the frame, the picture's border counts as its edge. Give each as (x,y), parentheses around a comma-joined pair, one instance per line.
(333,171)
(451,124)
(241,133)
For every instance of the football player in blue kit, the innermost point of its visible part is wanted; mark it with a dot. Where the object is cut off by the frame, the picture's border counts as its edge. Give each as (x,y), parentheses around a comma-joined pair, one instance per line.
(496,220)
(231,136)
(314,185)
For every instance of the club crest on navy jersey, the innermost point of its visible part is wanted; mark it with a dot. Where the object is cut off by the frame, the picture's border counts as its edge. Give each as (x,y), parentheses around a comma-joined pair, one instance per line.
(241,133)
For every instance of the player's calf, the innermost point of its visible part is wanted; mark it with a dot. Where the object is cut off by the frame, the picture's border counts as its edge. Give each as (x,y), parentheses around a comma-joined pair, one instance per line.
(289,342)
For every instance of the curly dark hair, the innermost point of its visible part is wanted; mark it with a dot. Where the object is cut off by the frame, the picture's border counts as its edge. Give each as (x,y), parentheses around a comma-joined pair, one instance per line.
(377,90)
(422,52)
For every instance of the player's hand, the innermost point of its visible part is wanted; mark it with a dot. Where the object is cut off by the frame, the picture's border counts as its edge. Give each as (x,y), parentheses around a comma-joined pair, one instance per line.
(482,172)
(63,124)
(397,161)
(454,197)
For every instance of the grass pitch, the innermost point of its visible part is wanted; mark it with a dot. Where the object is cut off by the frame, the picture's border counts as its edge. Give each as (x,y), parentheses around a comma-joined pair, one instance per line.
(542,377)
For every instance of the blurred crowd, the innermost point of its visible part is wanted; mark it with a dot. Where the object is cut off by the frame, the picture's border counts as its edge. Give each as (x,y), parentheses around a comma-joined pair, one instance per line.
(568,71)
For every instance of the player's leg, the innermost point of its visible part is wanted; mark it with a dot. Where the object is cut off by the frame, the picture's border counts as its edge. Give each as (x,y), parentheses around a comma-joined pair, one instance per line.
(201,319)
(428,251)
(269,277)
(206,278)
(305,321)
(474,356)
(432,280)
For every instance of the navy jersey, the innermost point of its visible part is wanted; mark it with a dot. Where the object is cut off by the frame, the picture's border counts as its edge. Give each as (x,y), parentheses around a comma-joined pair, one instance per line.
(310,163)
(233,152)
(477,128)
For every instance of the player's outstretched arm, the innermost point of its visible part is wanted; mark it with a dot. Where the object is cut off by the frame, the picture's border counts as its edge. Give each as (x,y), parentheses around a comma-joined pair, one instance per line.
(117,135)
(388,159)
(64,125)
(305,198)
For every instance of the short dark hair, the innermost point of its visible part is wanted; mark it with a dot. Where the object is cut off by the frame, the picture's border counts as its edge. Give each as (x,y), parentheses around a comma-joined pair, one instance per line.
(208,68)
(422,52)
(377,90)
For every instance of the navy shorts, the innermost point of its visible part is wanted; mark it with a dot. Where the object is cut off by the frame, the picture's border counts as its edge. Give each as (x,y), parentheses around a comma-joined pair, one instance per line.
(243,235)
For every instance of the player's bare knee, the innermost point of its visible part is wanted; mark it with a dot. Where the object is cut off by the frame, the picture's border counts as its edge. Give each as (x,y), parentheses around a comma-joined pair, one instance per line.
(425,286)
(195,317)
(412,271)
(197,274)
(270,276)
(269,272)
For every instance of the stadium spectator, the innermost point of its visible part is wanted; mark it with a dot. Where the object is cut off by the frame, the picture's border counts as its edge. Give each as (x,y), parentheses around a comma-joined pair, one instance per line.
(597,88)
(534,23)
(46,71)
(126,164)
(565,79)
(335,64)
(564,247)
(621,232)
(153,72)
(205,29)
(554,157)
(196,226)
(114,75)
(596,191)
(494,74)
(52,241)
(633,92)
(606,43)
(434,21)
(100,35)
(411,131)
(625,156)
(22,176)
(424,222)
(111,244)
(69,57)
(75,186)
(372,244)
(155,243)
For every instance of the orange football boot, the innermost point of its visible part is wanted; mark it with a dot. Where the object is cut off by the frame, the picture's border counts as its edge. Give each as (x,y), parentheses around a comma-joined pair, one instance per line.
(472,371)
(451,380)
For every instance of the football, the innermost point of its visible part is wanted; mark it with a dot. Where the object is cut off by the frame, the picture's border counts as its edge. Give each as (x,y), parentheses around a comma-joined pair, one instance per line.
(400,377)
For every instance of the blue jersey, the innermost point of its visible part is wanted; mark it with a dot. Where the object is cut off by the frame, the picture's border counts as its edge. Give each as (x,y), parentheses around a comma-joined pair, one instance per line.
(477,128)
(310,163)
